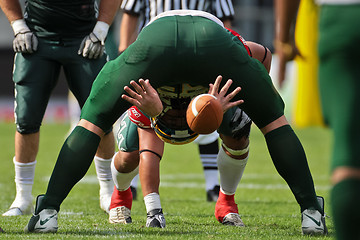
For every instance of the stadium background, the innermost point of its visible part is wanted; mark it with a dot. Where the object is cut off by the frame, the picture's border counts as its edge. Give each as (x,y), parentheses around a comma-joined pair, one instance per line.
(254,20)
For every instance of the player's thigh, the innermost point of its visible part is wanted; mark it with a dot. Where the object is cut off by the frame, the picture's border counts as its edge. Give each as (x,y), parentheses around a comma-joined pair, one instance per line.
(81,73)
(105,105)
(35,77)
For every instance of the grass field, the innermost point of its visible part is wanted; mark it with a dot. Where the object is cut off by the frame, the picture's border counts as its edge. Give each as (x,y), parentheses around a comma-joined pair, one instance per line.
(266,205)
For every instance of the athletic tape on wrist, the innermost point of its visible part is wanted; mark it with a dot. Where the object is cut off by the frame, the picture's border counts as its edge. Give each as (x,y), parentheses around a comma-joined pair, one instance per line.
(101,30)
(236,152)
(19,25)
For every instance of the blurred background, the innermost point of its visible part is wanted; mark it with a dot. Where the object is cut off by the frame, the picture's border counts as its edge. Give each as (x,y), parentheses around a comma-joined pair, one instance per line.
(254,20)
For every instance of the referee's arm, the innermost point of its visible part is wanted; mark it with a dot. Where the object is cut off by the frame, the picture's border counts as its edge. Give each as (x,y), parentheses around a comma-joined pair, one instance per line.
(128,30)
(129,22)
(224,10)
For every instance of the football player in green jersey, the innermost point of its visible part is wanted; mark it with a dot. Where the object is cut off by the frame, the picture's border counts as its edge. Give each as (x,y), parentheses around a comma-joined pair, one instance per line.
(338,49)
(51,35)
(182,47)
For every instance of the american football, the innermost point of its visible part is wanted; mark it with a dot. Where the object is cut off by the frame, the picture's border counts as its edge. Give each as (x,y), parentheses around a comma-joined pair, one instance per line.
(204,114)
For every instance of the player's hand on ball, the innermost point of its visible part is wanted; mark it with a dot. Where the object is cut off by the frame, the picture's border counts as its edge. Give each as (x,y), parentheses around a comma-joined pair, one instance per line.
(221,95)
(145,97)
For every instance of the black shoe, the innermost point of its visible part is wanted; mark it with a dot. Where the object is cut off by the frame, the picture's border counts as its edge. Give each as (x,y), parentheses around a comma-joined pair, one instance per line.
(155,218)
(134,192)
(213,194)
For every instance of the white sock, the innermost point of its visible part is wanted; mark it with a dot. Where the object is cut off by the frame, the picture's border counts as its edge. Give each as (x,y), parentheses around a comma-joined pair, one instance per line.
(210,170)
(152,201)
(24,180)
(134,182)
(103,172)
(231,171)
(122,180)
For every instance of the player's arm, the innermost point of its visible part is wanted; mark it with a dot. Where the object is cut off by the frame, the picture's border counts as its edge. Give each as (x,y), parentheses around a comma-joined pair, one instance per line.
(129,22)
(12,9)
(128,29)
(93,45)
(108,10)
(255,50)
(284,43)
(261,53)
(151,149)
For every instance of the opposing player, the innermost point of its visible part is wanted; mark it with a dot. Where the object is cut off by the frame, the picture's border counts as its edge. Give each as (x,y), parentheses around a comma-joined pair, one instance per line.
(189,47)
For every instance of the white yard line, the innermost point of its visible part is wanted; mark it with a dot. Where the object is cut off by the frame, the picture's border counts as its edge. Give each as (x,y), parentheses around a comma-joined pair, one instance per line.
(191,180)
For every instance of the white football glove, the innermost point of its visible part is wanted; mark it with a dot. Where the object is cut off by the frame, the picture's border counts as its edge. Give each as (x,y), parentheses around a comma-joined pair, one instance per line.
(93,45)
(25,40)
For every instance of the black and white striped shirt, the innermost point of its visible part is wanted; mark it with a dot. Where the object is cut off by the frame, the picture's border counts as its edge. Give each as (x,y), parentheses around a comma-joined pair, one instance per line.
(148,9)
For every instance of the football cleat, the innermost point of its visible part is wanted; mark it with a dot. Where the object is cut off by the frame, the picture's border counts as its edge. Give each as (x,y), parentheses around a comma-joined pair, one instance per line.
(120,215)
(43,222)
(233,219)
(155,218)
(213,194)
(18,208)
(226,211)
(313,221)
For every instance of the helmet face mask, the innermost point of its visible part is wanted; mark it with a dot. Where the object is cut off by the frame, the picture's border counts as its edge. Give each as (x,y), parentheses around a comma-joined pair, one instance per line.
(168,135)
(171,126)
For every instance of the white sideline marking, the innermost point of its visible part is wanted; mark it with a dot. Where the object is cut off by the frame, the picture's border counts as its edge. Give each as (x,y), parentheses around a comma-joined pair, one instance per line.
(190,181)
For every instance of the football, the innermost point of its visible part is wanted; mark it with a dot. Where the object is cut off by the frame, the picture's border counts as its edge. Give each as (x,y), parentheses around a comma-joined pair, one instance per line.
(204,114)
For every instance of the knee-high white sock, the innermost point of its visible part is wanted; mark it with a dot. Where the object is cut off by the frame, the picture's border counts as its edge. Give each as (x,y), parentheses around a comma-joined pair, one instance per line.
(152,201)
(231,171)
(103,173)
(122,180)
(210,170)
(24,180)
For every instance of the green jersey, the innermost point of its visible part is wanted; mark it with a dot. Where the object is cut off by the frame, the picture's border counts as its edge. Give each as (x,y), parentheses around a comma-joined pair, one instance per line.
(60,19)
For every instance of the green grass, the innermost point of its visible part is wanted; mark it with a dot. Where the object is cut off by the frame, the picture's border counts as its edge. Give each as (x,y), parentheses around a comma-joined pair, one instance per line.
(266,205)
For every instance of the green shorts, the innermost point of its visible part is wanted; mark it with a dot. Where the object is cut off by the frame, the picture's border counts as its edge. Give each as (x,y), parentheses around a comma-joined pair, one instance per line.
(184,49)
(35,76)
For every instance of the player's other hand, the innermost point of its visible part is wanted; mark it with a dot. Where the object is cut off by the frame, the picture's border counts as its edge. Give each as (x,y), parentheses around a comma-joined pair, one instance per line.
(25,40)
(93,45)
(221,95)
(145,97)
